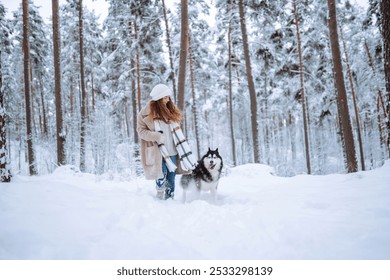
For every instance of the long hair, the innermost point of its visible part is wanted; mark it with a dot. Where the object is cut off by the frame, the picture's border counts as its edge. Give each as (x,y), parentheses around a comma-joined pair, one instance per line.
(165,113)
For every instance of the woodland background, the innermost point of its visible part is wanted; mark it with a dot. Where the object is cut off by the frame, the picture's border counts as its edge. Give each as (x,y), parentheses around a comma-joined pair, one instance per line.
(259,83)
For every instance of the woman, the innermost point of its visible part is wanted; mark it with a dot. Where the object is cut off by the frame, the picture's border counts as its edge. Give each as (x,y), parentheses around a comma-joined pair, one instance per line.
(162,142)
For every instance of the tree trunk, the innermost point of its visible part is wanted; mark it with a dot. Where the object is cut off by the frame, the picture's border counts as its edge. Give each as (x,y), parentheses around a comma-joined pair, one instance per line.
(251,85)
(183,54)
(138,67)
(360,141)
(32,98)
(348,141)
(127,117)
(42,91)
(5,174)
(72,97)
(230,98)
(302,90)
(134,102)
(380,104)
(382,136)
(206,118)
(385,11)
(372,65)
(83,127)
(133,87)
(194,104)
(92,94)
(267,152)
(26,52)
(172,75)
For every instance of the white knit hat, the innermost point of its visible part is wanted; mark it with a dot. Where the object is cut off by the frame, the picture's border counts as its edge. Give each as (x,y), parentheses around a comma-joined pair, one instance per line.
(160,91)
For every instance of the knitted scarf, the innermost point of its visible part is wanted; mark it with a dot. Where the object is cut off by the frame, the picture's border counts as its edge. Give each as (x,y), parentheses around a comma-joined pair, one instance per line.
(187,159)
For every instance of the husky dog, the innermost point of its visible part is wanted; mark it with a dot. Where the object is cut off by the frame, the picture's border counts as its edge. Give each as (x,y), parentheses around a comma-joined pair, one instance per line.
(205,176)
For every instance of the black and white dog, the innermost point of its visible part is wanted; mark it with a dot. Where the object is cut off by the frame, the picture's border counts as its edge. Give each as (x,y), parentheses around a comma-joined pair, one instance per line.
(205,176)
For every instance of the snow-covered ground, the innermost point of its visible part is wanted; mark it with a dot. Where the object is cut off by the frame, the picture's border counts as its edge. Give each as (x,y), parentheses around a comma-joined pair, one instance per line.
(70,215)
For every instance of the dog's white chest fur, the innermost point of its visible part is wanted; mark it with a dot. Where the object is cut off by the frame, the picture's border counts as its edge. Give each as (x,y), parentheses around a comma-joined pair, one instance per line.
(208,186)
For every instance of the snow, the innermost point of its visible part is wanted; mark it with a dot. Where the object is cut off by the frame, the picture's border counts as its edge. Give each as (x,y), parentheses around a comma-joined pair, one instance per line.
(72,215)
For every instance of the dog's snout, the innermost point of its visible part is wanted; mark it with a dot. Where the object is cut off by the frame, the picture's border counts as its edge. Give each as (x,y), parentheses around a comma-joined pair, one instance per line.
(211,162)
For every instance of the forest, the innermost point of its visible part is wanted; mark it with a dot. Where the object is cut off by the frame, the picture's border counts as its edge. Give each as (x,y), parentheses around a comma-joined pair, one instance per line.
(300,85)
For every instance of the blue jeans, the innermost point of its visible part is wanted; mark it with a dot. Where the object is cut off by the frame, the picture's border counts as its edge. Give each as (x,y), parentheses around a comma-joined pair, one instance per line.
(168,181)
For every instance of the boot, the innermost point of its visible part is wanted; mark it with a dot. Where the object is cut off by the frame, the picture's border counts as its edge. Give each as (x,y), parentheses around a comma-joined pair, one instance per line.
(169,193)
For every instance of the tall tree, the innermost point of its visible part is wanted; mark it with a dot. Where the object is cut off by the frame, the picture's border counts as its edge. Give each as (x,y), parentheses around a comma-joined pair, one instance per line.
(251,85)
(57,85)
(84,112)
(26,53)
(379,110)
(168,38)
(302,91)
(342,101)
(39,47)
(385,22)
(194,99)
(230,96)
(354,100)
(5,173)
(183,53)
(200,71)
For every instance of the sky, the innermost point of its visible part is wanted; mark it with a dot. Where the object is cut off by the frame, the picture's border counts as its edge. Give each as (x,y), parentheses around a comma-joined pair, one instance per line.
(100,6)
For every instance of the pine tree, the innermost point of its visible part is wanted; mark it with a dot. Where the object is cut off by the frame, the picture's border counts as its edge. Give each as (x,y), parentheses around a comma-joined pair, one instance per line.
(26,52)
(302,91)
(57,84)
(84,112)
(385,13)
(183,54)
(357,117)
(251,85)
(172,75)
(342,102)
(5,44)
(200,70)
(39,46)
(230,96)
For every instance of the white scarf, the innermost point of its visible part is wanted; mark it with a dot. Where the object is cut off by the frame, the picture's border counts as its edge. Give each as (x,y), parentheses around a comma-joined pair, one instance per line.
(187,159)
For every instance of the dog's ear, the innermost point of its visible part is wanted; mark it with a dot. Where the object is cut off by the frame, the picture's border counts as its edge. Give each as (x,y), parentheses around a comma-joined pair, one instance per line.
(209,149)
(217,151)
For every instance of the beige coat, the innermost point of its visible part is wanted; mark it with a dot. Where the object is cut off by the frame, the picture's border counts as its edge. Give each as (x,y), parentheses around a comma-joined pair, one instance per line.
(150,154)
